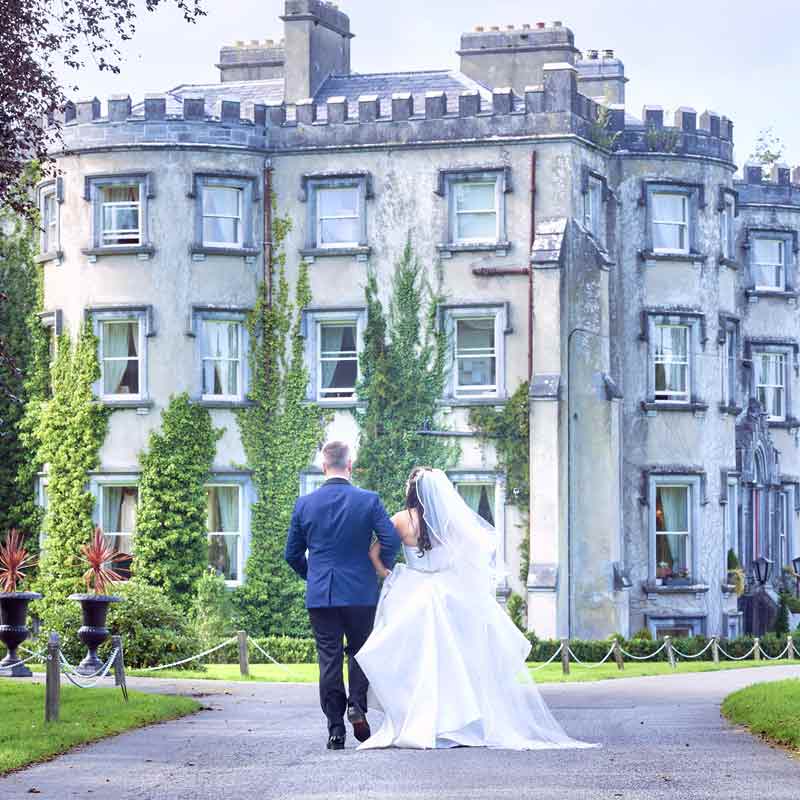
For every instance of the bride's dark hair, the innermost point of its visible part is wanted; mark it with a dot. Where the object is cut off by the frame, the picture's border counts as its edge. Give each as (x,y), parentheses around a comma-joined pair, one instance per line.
(413,501)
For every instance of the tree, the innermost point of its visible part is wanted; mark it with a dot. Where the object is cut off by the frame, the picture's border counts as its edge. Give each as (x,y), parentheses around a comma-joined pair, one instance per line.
(403,369)
(769,148)
(37,36)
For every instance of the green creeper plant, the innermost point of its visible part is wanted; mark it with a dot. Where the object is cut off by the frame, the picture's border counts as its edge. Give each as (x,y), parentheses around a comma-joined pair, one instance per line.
(171,549)
(782,619)
(403,375)
(280,433)
(70,429)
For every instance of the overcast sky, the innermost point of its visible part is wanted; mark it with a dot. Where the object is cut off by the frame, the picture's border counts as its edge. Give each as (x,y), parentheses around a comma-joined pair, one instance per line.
(741,59)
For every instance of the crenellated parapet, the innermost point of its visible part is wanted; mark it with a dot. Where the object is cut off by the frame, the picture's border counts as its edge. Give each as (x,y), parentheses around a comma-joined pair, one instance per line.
(778,185)
(708,134)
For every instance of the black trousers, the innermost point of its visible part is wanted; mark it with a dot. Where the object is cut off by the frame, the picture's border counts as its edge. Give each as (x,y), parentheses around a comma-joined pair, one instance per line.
(331,626)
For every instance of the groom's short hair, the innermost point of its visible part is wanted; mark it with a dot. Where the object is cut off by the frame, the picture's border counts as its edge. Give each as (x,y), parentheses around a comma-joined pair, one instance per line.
(336,455)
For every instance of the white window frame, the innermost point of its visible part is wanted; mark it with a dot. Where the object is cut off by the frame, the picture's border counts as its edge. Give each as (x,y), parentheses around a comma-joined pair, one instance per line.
(769,388)
(727,229)
(240,360)
(680,398)
(341,323)
(320,218)
(675,484)
(759,266)
(455,238)
(729,364)
(210,187)
(471,391)
(683,224)
(49,236)
(732,519)
(104,233)
(593,207)
(140,359)
(102,485)
(784,551)
(240,553)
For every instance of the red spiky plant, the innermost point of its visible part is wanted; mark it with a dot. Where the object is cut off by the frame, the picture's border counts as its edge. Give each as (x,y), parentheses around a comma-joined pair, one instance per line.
(100,556)
(14,560)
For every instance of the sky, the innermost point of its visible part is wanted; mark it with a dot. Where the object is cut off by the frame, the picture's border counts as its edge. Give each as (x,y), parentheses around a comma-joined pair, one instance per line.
(737,58)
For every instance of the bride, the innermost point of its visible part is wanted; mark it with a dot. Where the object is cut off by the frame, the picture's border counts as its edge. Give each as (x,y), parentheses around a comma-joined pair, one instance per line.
(444,661)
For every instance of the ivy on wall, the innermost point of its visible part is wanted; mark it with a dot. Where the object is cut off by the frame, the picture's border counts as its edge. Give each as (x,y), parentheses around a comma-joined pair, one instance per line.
(509,431)
(171,529)
(70,429)
(280,433)
(403,376)
(24,369)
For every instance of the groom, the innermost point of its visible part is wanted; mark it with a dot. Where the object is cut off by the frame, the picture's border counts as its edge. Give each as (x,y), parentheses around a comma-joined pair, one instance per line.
(328,546)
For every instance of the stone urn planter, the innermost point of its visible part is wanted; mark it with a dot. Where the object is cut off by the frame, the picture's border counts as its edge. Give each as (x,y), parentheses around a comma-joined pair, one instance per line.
(93,632)
(14,631)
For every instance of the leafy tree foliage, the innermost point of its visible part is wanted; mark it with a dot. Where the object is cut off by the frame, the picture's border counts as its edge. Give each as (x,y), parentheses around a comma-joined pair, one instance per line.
(403,369)
(70,429)
(280,432)
(171,536)
(769,148)
(38,37)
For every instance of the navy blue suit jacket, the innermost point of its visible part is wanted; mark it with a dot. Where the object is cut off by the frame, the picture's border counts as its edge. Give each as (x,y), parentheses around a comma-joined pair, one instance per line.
(335,524)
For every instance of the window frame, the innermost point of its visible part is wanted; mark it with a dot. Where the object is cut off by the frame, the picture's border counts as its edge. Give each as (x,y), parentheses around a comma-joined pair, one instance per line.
(693,482)
(246,498)
(697,623)
(759,353)
(694,194)
(50,240)
(311,185)
(789,246)
(321,359)
(450,315)
(681,225)
(312,320)
(209,188)
(93,187)
(250,207)
(728,341)
(678,398)
(593,183)
(728,212)
(321,219)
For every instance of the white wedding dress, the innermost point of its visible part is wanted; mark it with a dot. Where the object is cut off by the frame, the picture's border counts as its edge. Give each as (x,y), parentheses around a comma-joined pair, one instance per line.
(445,663)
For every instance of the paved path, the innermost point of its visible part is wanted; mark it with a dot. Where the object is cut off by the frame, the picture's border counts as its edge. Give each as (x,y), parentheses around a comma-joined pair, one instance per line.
(661,737)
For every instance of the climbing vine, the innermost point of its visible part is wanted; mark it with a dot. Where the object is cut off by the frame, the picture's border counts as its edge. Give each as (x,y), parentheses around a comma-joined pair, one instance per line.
(171,537)
(280,433)
(70,429)
(509,431)
(23,367)
(403,376)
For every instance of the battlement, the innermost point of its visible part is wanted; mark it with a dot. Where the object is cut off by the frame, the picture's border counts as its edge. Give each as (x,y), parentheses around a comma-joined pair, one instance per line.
(779,185)
(253,60)
(318,12)
(708,134)
(542,35)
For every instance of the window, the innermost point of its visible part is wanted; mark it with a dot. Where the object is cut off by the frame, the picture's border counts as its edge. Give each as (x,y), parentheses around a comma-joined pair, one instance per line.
(673,530)
(338,360)
(120,215)
(729,361)
(118,506)
(43,501)
(769,374)
(592,207)
(221,345)
(783,530)
(726,221)
(476,356)
(732,518)
(676,627)
(671,363)
(480,497)
(338,216)
(120,358)
(222,216)
(224,530)
(49,213)
(310,482)
(475,212)
(670,214)
(768,264)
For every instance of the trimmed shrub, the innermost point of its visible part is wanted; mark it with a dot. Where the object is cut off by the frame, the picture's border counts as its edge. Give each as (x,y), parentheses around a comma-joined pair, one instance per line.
(643,633)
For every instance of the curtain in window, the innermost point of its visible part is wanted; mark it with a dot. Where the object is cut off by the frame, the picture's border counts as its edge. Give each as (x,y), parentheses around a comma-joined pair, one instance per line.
(223,515)
(476,215)
(219,343)
(338,354)
(479,497)
(117,346)
(228,499)
(112,505)
(221,214)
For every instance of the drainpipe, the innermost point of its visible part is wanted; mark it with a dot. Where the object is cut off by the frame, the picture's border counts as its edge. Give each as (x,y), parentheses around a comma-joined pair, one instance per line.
(268,231)
(530,266)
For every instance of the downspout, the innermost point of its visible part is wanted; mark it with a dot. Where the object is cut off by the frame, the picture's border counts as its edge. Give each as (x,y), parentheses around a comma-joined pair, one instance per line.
(268,232)
(530,267)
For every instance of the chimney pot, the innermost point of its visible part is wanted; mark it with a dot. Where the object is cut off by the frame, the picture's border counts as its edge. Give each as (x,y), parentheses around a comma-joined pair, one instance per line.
(495,27)
(593,54)
(608,54)
(558,23)
(526,26)
(540,24)
(479,29)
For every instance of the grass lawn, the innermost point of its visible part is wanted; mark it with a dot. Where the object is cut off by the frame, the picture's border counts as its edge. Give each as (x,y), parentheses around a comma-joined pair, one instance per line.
(86,716)
(308,673)
(771,710)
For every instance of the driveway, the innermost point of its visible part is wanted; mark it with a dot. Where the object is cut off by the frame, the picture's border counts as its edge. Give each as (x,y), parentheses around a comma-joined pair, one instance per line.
(661,738)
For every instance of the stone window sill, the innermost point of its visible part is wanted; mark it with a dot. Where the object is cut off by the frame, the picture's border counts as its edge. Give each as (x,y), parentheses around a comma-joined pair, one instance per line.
(472,402)
(51,255)
(143,403)
(230,404)
(734,411)
(728,262)
(688,588)
(199,251)
(334,405)
(754,295)
(360,253)
(448,249)
(692,408)
(652,255)
(126,250)
(790,423)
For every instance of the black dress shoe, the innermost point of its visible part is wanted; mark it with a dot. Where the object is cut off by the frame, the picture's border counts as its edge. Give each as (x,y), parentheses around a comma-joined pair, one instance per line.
(359,722)
(336,743)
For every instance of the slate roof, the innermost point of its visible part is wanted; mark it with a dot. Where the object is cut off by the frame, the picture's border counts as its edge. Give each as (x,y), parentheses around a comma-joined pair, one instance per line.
(383,84)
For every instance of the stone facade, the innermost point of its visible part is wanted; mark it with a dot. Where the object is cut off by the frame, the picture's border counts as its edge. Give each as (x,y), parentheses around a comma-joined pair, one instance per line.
(613,261)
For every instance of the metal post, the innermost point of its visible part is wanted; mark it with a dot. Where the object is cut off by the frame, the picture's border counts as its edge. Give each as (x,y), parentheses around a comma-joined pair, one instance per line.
(244,656)
(618,655)
(789,647)
(757,651)
(715,649)
(52,692)
(565,656)
(119,666)
(670,652)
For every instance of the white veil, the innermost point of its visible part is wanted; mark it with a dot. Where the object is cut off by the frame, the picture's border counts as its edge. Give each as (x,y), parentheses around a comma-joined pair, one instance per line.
(470,541)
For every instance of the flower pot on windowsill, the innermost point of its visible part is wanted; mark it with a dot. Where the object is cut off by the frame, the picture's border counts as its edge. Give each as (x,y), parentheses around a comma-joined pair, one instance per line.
(14,631)
(93,632)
